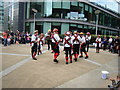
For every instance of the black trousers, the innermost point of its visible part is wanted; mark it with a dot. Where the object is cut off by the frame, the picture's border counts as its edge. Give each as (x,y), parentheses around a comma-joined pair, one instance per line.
(76,48)
(49,44)
(87,45)
(67,51)
(83,48)
(34,48)
(55,48)
(104,46)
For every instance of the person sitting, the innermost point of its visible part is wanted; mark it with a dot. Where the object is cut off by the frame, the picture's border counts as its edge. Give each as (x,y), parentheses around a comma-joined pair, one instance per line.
(115,83)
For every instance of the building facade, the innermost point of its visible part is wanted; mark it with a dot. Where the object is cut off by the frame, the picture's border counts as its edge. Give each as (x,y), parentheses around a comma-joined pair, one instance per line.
(8,16)
(66,15)
(1,15)
(71,16)
(18,16)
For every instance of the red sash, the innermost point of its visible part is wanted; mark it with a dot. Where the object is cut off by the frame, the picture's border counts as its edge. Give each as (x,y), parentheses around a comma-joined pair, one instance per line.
(66,42)
(76,39)
(55,41)
(33,41)
(41,40)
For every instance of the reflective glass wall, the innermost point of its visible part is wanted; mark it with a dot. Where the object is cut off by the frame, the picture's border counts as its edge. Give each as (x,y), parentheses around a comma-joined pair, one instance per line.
(70,10)
(78,11)
(43,27)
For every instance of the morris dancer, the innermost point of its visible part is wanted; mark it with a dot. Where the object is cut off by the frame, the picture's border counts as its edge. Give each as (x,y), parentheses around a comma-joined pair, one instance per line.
(88,38)
(83,46)
(67,47)
(76,45)
(55,42)
(34,41)
(40,43)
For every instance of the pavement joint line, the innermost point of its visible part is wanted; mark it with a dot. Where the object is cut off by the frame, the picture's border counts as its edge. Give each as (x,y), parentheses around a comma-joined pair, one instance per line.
(93,62)
(13,54)
(105,53)
(15,66)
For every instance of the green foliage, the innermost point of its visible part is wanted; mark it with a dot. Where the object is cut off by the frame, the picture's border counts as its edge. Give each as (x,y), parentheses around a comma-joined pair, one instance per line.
(61,36)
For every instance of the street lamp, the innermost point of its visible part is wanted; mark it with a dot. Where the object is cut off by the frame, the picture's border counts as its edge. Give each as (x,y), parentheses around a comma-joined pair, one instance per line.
(35,12)
(97,17)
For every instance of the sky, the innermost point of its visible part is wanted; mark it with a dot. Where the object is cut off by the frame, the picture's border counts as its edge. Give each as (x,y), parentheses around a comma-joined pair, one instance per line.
(111,4)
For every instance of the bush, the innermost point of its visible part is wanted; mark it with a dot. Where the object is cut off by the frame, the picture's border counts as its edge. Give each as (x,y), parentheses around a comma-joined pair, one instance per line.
(62,36)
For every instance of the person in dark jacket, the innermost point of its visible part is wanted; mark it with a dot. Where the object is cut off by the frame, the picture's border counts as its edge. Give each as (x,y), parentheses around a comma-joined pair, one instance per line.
(115,83)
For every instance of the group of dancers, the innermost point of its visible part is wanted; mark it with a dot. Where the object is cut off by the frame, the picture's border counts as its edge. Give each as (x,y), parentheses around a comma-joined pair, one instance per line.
(73,44)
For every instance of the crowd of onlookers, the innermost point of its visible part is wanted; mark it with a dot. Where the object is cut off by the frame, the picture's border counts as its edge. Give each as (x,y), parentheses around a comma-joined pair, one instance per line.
(9,37)
(112,44)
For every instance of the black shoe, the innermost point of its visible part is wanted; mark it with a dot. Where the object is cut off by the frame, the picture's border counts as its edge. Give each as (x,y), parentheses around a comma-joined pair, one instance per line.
(66,62)
(38,53)
(55,60)
(80,56)
(75,59)
(70,61)
(34,58)
(86,57)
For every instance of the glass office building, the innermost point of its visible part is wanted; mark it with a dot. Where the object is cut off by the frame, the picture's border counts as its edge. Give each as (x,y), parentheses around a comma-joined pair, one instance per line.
(1,15)
(71,16)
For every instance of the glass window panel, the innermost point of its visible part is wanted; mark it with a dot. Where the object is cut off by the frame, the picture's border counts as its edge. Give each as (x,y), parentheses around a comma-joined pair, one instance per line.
(56,4)
(64,28)
(66,5)
(74,3)
(27,24)
(85,27)
(86,7)
(80,26)
(55,24)
(90,9)
(46,27)
(48,9)
(81,4)
(73,25)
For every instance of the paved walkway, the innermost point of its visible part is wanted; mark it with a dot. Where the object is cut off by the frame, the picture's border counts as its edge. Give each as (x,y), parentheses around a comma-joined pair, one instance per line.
(20,71)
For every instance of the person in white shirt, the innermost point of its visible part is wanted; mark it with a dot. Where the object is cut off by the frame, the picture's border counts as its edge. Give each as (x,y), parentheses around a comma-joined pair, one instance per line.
(55,41)
(110,44)
(76,45)
(34,41)
(40,43)
(98,43)
(88,38)
(82,45)
(67,46)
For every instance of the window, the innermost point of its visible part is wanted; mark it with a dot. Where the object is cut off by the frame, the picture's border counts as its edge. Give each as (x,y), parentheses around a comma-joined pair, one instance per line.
(48,9)
(65,5)
(39,7)
(56,4)
(86,7)
(74,3)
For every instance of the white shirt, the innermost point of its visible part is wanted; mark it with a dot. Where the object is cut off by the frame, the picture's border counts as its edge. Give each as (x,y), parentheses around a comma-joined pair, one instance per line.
(33,38)
(41,42)
(82,39)
(70,41)
(75,42)
(57,38)
(98,39)
(88,38)
(110,40)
